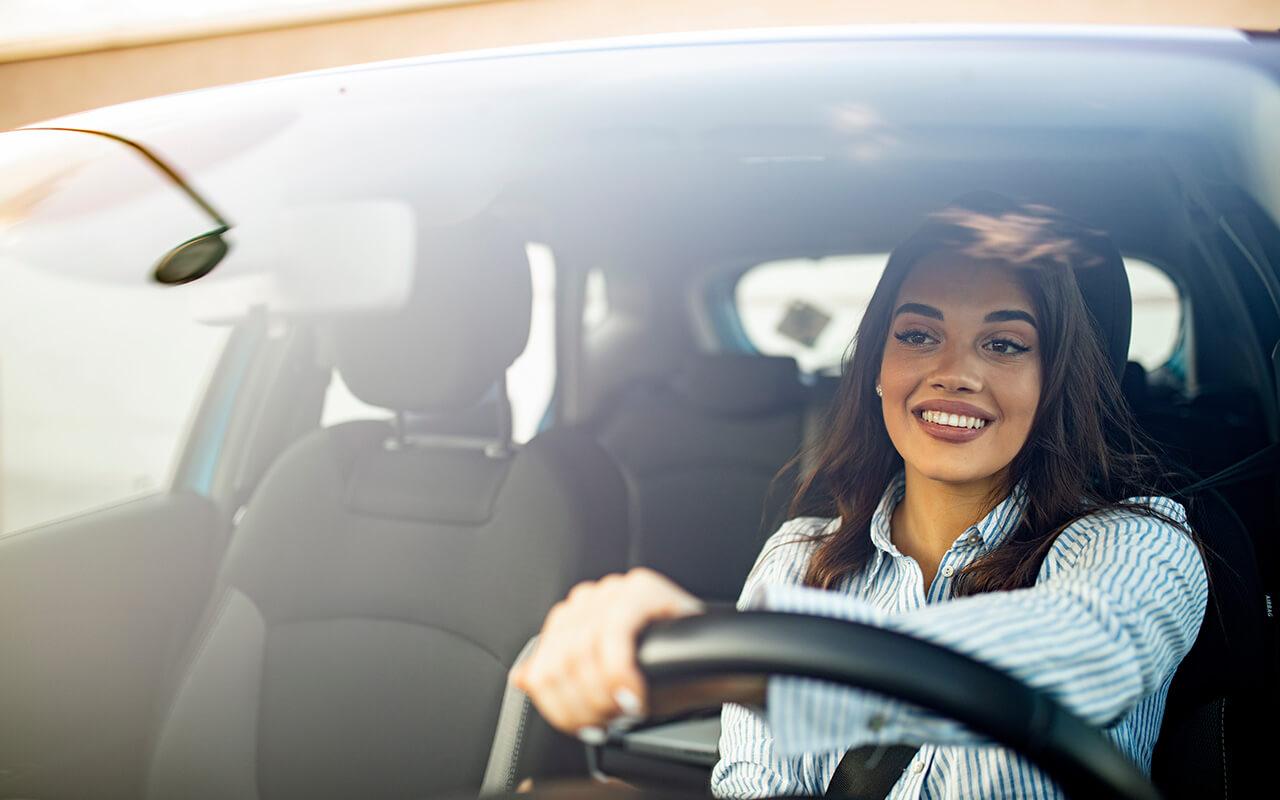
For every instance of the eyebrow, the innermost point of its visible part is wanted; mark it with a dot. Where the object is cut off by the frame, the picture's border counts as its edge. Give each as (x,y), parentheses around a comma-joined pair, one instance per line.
(918,308)
(1004,315)
(1009,315)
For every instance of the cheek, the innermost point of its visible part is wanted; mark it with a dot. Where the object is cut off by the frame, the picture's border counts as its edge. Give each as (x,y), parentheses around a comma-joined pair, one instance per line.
(1020,399)
(896,372)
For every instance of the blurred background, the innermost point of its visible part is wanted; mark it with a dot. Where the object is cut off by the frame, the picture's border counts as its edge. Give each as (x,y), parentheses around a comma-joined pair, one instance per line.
(62,56)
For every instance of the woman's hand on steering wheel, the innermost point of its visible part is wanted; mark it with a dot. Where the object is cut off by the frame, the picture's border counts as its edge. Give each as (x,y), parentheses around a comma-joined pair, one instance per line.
(583,672)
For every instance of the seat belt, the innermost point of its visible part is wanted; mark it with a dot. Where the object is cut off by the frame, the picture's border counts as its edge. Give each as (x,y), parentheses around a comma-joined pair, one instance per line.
(504,756)
(1261,463)
(870,772)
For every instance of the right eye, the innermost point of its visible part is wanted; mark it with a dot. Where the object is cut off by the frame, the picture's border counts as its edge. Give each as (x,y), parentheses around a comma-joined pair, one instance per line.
(914,337)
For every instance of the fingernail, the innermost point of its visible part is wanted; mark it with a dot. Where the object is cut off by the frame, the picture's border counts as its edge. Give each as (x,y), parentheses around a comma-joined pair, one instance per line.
(627,701)
(591,735)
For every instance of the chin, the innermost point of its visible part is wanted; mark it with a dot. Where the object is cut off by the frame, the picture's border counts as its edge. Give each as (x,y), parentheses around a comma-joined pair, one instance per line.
(959,474)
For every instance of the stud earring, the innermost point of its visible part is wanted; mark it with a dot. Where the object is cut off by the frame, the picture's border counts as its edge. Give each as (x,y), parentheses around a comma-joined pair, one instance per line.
(879,391)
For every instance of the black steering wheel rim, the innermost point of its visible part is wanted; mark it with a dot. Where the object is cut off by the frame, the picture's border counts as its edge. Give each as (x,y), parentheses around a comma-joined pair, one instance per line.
(1072,752)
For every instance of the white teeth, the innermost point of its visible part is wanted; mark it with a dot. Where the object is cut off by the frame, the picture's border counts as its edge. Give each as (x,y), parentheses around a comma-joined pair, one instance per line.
(952,420)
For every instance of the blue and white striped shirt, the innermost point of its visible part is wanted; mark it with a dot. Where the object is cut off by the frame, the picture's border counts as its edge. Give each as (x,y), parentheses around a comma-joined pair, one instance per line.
(1116,605)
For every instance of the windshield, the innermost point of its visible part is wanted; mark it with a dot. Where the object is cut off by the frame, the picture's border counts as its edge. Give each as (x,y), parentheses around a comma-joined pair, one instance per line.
(490,322)
(704,162)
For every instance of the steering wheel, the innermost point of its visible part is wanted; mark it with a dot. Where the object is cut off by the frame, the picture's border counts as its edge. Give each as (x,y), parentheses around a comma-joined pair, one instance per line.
(1076,755)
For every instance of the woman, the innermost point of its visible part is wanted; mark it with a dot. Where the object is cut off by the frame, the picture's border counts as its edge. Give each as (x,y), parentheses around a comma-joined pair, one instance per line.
(985,491)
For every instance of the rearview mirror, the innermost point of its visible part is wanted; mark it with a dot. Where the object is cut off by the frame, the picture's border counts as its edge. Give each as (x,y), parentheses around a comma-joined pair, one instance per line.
(193,259)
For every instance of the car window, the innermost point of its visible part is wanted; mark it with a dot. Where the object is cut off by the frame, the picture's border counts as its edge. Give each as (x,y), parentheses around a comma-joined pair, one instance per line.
(1157,314)
(97,383)
(809,308)
(530,378)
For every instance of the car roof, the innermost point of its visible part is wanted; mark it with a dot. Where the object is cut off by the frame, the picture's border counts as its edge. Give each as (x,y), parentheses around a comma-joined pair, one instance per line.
(1129,34)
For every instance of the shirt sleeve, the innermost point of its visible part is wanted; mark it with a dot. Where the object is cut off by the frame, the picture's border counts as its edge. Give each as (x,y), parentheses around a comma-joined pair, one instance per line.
(749,766)
(1117,605)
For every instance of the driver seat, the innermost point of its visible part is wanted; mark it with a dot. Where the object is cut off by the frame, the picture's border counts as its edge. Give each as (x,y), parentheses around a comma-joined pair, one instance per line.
(381,583)
(1210,736)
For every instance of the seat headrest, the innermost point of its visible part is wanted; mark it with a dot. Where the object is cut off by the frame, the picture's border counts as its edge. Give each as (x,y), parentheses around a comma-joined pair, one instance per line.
(738,383)
(1105,289)
(466,320)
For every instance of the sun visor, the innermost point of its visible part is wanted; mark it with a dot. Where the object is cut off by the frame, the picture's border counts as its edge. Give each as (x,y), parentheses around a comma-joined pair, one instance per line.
(325,259)
(108,196)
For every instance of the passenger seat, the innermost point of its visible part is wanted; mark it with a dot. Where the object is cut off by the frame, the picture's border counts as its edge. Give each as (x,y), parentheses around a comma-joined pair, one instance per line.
(699,451)
(382,582)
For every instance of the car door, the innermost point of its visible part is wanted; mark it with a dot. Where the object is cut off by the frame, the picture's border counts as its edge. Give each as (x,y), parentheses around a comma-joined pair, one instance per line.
(113,524)
(120,462)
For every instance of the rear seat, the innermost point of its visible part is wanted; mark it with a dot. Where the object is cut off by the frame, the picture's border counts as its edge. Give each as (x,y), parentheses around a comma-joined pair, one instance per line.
(699,451)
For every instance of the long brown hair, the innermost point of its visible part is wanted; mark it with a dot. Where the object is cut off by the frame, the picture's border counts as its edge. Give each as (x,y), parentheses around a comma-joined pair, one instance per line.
(1083,453)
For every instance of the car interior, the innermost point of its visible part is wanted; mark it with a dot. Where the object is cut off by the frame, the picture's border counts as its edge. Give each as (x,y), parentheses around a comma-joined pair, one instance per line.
(341,607)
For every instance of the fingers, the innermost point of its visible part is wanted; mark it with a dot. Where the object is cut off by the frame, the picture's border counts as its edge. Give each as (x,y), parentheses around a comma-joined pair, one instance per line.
(583,673)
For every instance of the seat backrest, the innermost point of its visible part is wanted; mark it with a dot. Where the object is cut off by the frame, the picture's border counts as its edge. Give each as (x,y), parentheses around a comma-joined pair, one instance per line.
(699,451)
(380,585)
(1215,721)
(1222,672)
(1216,726)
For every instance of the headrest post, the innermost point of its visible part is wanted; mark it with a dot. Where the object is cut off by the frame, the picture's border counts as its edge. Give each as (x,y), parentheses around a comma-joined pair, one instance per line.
(503,446)
(400,428)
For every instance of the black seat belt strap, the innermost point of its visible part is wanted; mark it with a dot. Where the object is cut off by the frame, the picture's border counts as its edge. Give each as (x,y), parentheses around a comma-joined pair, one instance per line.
(1263,462)
(869,772)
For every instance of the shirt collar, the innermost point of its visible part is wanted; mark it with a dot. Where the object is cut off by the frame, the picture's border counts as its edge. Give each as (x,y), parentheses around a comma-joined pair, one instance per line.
(994,528)
(884,512)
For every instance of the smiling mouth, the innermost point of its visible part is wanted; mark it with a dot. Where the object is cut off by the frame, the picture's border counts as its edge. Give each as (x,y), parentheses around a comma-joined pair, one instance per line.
(952,420)
(953,428)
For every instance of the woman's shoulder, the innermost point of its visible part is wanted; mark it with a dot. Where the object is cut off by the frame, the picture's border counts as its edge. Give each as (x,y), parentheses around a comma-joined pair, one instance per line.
(1140,524)
(785,554)
(1152,512)
(795,539)
(802,530)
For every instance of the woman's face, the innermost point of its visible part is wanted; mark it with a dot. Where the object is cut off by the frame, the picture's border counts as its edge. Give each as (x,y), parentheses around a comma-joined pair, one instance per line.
(960,374)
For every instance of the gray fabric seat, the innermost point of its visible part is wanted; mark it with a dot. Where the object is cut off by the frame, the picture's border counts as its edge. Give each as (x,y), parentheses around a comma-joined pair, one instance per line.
(380,585)
(699,451)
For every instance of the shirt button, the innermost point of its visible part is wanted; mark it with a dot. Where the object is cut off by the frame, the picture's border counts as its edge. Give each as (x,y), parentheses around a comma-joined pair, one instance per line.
(877,722)
(917,767)
(948,571)
(974,538)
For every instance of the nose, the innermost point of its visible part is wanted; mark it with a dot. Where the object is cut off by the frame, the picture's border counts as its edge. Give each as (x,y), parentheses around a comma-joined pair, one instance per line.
(958,369)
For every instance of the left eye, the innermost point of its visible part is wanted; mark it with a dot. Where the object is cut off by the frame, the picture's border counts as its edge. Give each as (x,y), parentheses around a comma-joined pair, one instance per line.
(1005,347)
